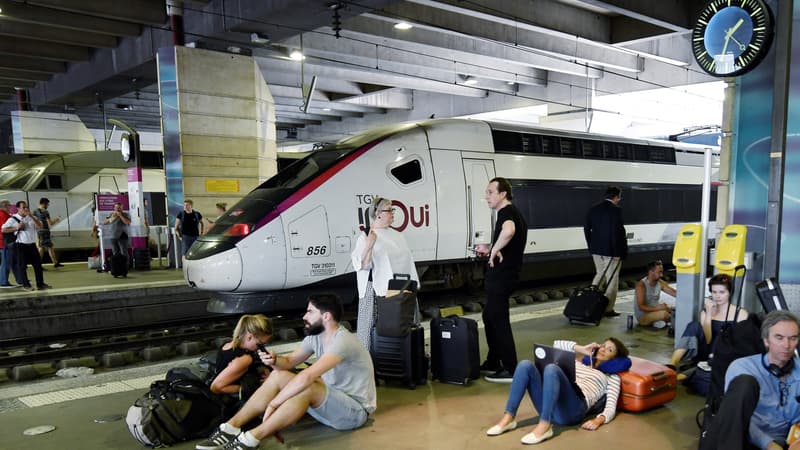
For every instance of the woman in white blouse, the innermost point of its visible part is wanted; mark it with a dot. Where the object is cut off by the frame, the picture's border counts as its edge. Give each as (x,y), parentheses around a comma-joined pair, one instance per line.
(377,256)
(561,402)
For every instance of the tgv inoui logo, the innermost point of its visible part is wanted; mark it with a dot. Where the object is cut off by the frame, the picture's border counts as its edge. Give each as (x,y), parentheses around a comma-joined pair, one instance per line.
(404,216)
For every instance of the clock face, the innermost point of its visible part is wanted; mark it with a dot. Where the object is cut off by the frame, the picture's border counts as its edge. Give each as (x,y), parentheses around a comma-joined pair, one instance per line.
(125,147)
(731,37)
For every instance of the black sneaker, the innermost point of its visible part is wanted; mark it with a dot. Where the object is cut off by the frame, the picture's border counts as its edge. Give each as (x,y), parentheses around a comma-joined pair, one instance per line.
(501,376)
(217,441)
(236,444)
(58,265)
(488,368)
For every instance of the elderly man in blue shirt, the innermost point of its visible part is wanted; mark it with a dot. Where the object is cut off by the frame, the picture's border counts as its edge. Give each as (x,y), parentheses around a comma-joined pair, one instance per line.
(762,392)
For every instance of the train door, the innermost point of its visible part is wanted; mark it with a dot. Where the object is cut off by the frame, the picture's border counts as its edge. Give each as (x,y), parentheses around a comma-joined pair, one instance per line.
(477,173)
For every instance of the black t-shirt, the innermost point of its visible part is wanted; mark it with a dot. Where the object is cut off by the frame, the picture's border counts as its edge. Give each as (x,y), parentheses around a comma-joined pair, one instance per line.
(190,223)
(513,251)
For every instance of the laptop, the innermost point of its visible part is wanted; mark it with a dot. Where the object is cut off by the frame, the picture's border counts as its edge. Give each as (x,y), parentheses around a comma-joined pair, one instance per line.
(544,355)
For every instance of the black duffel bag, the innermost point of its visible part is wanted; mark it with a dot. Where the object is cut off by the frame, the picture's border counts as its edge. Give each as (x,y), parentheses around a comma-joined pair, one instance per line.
(397,311)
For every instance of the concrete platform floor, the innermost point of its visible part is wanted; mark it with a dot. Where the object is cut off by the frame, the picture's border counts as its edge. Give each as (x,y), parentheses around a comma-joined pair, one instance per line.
(434,416)
(76,277)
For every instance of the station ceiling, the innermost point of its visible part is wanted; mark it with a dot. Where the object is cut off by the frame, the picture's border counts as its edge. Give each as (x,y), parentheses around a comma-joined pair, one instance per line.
(96,58)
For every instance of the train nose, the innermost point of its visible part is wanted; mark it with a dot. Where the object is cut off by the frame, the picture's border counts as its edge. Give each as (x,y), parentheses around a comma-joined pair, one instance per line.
(219,272)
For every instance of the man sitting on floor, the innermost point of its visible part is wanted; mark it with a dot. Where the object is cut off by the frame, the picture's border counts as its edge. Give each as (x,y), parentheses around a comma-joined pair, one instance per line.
(338,389)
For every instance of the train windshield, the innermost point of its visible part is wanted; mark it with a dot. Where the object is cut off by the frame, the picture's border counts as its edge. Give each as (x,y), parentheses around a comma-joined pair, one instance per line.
(241,219)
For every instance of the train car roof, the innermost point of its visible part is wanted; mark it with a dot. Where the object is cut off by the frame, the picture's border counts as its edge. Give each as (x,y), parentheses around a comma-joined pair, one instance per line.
(386,131)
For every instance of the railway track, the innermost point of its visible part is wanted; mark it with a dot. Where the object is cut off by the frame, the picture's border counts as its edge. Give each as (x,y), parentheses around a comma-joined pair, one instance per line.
(27,359)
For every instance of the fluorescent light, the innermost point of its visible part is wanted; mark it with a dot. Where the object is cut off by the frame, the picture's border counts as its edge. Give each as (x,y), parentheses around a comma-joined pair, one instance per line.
(296,55)
(470,81)
(326,109)
(403,26)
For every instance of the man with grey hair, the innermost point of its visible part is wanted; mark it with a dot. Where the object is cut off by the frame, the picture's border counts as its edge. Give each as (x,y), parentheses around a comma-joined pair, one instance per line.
(762,392)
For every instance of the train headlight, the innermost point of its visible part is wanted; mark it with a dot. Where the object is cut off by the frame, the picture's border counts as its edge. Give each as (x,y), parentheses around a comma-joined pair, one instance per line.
(238,230)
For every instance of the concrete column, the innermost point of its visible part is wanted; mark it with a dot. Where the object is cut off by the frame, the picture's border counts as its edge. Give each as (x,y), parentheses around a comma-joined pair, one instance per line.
(218,125)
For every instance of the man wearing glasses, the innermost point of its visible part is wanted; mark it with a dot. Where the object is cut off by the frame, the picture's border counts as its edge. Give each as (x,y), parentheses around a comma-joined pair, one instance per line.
(762,395)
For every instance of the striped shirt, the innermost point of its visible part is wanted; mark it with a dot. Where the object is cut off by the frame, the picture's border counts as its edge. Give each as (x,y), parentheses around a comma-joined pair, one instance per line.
(594,383)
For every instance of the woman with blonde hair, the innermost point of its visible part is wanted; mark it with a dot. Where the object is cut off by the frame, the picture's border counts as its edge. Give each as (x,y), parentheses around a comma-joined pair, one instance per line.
(221,208)
(237,361)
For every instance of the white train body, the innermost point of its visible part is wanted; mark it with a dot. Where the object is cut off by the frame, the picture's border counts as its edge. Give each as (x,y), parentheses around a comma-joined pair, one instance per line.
(436,172)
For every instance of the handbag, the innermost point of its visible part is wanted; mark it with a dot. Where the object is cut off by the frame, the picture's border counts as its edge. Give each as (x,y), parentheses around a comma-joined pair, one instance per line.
(397,310)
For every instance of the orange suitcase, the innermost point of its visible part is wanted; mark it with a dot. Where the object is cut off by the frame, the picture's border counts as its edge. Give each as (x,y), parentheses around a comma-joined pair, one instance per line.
(646,385)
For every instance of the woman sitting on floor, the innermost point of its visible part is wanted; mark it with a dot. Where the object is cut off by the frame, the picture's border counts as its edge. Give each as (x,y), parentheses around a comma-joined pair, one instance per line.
(237,362)
(695,343)
(562,402)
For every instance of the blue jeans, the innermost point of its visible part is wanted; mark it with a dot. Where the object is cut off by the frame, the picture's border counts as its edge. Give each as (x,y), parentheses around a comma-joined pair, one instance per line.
(186,243)
(553,395)
(9,265)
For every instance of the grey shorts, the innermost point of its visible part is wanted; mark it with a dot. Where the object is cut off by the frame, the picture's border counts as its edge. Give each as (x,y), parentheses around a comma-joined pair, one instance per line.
(45,241)
(339,411)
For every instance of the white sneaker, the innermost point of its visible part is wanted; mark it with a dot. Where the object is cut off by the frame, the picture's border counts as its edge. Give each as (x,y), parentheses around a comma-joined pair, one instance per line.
(659,324)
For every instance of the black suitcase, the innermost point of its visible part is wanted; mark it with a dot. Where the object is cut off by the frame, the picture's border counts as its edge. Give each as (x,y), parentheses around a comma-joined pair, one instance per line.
(771,295)
(586,305)
(401,358)
(455,355)
(119,265)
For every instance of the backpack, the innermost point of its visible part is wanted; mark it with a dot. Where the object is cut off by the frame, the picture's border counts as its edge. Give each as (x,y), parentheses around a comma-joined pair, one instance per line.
(173,411)
(739,340)
(10,237)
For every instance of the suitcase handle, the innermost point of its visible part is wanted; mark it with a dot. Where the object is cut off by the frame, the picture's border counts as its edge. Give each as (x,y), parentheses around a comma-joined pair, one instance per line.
(663,387)
(660,376)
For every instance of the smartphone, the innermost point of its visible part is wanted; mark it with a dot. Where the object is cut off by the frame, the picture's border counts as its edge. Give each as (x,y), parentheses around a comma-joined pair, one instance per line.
(263,348)
(594,352)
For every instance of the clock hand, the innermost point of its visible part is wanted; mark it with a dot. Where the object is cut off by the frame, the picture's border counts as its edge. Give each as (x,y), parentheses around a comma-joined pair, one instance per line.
(741,46)
(733,29)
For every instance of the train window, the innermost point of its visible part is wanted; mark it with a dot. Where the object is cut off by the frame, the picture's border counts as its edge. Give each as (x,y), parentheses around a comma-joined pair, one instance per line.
(569,147)
(507,141)
(641,153)
(550,145)
(407,172)
(305,169)
(591,149)
(54,182)
(42,186)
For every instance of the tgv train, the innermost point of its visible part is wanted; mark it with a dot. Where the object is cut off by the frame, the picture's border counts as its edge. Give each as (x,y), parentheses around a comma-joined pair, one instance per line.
(294,233)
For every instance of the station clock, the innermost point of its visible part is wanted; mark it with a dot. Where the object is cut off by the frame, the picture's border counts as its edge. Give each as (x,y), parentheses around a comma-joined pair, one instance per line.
(730,37)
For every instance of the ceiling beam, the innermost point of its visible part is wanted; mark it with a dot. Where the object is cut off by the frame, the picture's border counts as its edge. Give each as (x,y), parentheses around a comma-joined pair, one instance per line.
(53,18)
(35,49)
(57,35)
(16,84)
(674,17)
(153,12)
(33,65)
(11,74)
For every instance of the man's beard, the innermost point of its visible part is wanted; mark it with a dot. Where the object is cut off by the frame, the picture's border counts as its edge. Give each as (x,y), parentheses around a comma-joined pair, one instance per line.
(314,329)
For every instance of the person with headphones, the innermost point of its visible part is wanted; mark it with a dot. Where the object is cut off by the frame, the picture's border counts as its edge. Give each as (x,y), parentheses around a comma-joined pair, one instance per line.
(762,392)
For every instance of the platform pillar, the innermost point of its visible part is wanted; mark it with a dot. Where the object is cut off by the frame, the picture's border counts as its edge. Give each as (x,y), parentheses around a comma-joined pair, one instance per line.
(218,126)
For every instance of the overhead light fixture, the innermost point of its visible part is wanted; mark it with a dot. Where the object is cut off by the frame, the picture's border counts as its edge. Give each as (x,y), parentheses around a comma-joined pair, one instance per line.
(471,80)
(326,109)
(234,49)
(403,26)
(297,55)
(510,83)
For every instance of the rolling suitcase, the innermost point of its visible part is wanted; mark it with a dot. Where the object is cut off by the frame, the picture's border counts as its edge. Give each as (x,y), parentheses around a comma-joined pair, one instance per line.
(646,385)
(588,305)
(455,354)
(401,358)
(771,295)
(119,265)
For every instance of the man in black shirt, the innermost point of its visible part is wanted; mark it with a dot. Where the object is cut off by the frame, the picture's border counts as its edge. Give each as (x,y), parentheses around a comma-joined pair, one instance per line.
(505,262)
(188,226)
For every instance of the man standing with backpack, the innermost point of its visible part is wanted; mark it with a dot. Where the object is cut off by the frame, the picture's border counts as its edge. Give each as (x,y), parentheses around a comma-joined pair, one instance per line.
(188,226)
(607,241)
